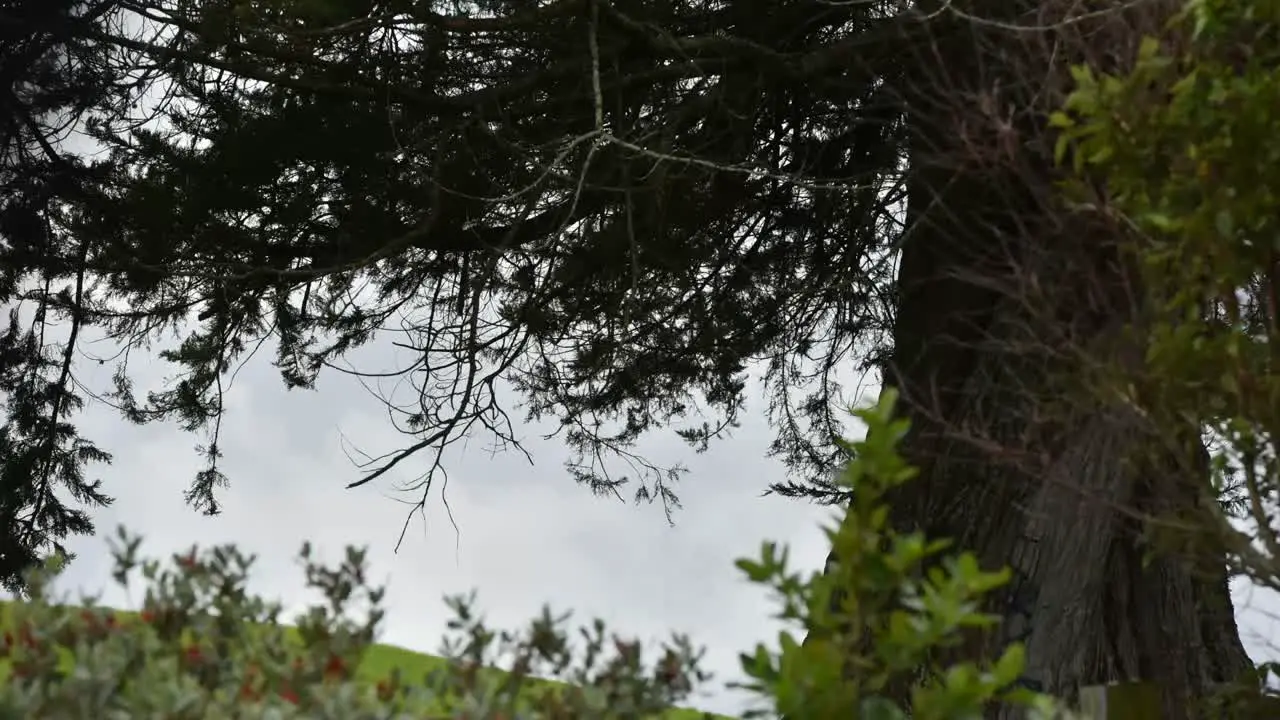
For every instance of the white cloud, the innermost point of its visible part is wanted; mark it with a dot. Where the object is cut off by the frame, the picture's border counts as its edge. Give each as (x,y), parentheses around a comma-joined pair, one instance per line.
(527,535)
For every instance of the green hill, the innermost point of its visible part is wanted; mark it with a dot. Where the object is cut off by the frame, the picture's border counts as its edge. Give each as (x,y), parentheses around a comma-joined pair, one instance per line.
(379,660)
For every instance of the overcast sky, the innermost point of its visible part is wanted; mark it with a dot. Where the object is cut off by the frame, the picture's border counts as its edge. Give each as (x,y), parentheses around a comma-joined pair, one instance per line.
(528,535)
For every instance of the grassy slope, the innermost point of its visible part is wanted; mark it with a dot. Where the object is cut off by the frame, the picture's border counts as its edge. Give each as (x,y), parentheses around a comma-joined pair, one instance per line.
(378,662)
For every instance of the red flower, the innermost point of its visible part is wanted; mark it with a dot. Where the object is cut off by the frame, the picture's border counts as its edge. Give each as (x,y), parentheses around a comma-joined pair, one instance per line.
(191,654)
(147,616)
(94,624)
(335,668)
(289,695)
(247,691)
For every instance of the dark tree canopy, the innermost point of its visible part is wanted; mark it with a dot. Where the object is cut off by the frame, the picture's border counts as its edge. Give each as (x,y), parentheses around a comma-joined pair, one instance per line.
(52,76)
(615,208)
(606,213)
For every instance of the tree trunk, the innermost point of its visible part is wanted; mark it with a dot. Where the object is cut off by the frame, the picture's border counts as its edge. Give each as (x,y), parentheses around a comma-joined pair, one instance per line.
(1001,294)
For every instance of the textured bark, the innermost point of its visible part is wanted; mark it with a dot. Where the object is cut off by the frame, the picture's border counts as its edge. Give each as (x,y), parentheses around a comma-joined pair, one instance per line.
(998,291)
(1061,497)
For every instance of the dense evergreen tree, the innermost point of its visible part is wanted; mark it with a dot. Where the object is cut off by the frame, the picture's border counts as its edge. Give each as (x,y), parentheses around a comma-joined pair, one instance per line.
(1010,301)
(52,77)
(619,255)
(617,207)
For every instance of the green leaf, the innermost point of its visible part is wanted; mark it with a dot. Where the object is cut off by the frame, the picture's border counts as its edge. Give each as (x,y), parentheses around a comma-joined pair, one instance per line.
(1082,74)
(1010,665)
(755,572)
(880,708)
(1060,148)
(1148,48)
(1224,223)
(1161,221)
(1102,154)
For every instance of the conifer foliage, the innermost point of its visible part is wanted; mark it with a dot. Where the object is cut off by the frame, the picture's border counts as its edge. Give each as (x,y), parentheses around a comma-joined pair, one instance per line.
(608,210)
(53,78)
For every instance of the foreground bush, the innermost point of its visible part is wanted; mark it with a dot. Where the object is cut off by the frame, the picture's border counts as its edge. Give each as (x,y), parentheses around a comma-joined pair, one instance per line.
(1181,152)
(1189,145)
(203,647)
